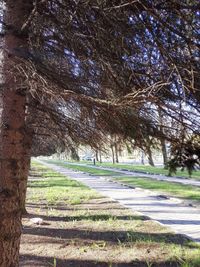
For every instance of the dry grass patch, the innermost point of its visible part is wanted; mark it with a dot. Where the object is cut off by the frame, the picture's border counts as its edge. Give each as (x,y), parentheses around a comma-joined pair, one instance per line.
(94,231)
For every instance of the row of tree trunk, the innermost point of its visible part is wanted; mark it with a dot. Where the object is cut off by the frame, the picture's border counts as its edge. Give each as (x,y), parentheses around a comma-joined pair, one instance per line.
(115,154)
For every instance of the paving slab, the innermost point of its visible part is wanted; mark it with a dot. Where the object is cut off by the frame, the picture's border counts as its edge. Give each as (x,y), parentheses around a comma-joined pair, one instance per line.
(172,212)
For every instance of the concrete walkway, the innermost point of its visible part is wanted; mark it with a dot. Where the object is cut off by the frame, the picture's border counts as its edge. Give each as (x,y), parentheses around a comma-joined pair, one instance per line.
(158,177)
(171,212)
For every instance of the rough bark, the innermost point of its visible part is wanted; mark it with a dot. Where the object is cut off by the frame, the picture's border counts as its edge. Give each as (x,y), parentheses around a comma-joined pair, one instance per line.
(12,136)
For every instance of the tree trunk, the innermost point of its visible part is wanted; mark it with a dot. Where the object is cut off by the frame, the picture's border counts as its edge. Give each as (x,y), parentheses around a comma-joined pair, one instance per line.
(162,141)
(113,155)
(74,154)
(25,169)
(100,158)
(23,186)
(142,157)
(149,152)
(13,133)
(150,157)
(164,152)
(116,153)
(97,155)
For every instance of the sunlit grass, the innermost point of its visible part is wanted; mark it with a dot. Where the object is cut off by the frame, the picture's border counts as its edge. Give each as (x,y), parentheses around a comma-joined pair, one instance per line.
(174,189)
(140,168)
(150,169)
(56,187)
(87,169)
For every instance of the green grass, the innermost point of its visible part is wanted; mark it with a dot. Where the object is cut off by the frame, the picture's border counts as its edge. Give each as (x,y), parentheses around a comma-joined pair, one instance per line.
(171,188)
(55,187)
(150,169)
(86,169)
(143,168)
(140,168)
(174,189)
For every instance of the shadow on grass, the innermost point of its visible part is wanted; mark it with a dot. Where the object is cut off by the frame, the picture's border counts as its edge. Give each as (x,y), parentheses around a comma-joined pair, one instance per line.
(61,207)
(96,217)
(109,236)
(35,175)
(29,260)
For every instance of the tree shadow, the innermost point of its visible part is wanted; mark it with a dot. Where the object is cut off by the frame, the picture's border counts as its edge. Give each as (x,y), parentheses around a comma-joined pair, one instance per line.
(182,222)
(64,206)
(29,260)
(109,236)
(95,217)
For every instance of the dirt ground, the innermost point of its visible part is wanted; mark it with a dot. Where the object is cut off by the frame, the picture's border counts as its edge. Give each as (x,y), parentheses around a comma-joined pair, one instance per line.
(90,239)
(96,232)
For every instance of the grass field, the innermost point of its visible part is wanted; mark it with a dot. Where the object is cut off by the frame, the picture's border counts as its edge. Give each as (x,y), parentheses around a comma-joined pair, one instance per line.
(171,189)
(82,168)
(139,168)
(150,169)
(82,228)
